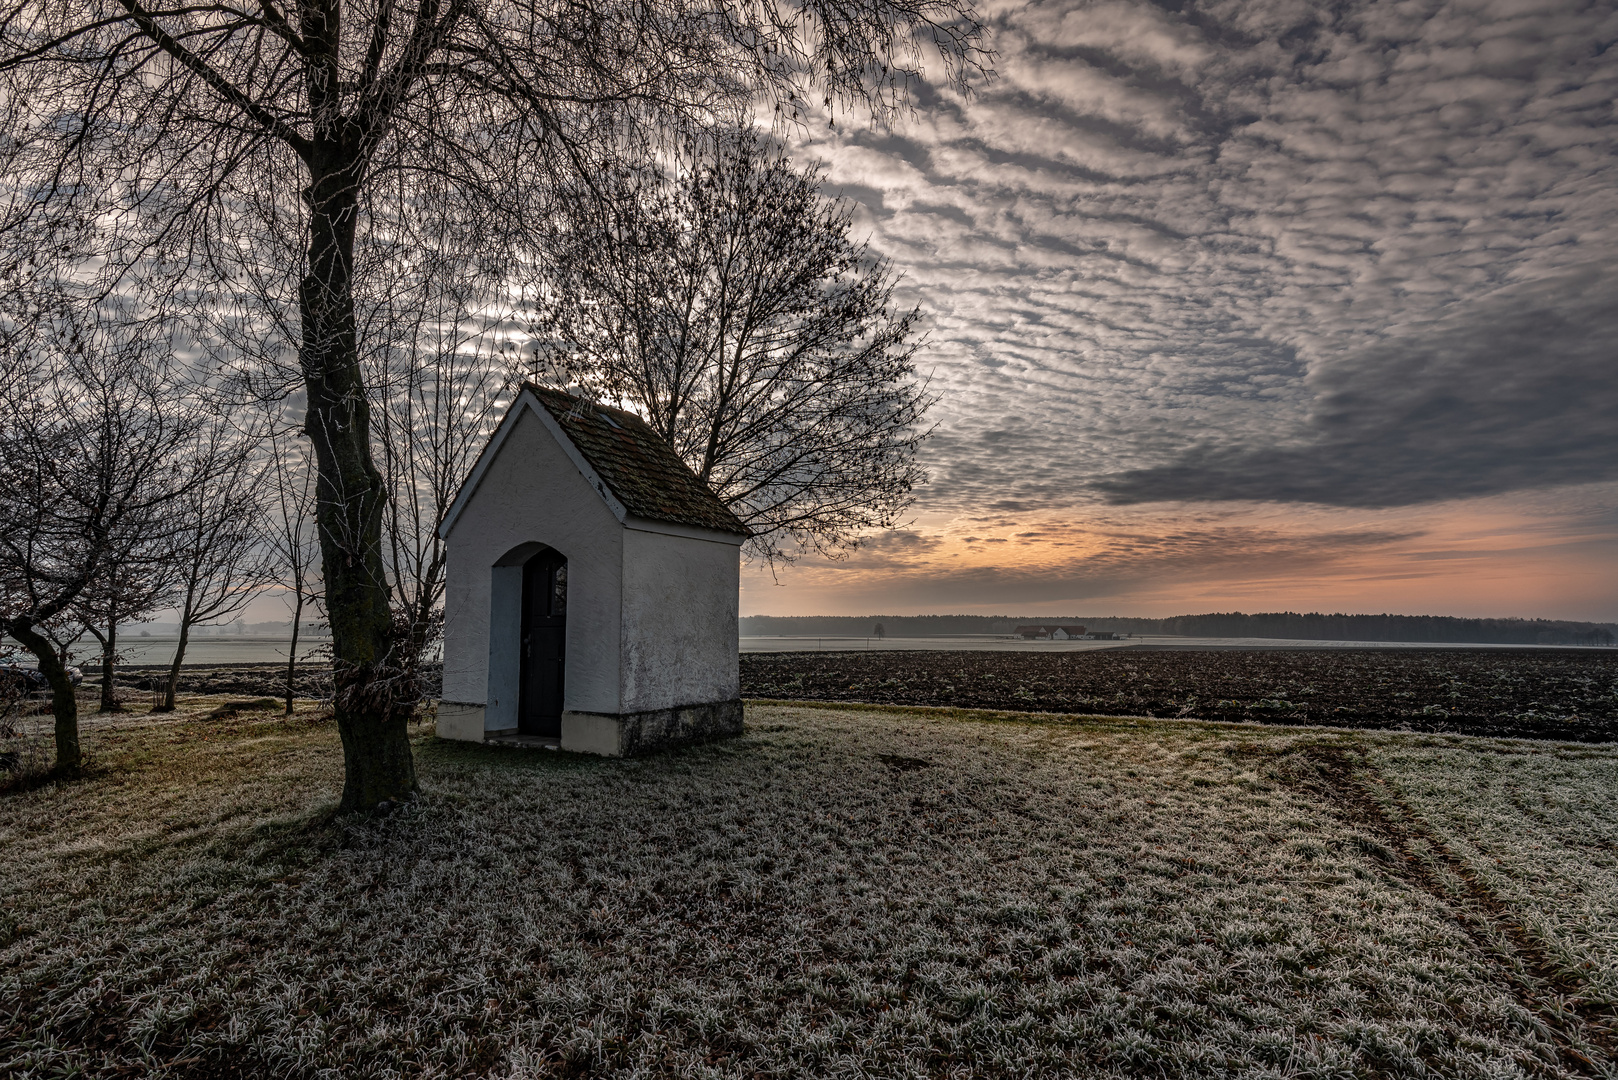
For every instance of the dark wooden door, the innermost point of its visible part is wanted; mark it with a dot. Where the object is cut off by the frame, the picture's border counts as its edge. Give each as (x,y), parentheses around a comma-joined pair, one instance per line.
(544,644)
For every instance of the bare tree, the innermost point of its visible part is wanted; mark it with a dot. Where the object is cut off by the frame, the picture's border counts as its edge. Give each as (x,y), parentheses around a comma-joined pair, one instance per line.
(726,300)
(91,450)
(273,162)
(135,580)
(294,545)
(216,535)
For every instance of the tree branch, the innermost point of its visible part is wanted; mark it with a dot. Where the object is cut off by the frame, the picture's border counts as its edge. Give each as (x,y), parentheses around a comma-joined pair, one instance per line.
(220,85)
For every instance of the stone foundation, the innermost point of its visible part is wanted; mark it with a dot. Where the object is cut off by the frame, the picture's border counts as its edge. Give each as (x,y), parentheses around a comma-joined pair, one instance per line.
(460,720)
(634,734)
(609,734)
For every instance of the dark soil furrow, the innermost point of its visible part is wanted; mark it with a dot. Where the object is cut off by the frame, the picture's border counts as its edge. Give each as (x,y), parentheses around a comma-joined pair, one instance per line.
(1543,694)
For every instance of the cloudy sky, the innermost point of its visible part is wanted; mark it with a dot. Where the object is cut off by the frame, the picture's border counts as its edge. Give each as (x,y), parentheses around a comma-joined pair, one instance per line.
(1255,304)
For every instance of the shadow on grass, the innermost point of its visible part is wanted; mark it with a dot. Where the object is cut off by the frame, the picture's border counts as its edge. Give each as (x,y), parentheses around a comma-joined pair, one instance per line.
(430,750)
(290,841)
(33,767)
(432,753)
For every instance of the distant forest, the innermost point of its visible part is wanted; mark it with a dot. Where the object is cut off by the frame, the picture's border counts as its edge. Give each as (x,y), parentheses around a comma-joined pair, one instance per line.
(1313,626)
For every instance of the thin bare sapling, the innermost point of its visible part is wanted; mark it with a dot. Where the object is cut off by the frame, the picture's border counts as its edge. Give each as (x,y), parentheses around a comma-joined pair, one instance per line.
(218,557)
(136,580)
(293,542)
(441,381)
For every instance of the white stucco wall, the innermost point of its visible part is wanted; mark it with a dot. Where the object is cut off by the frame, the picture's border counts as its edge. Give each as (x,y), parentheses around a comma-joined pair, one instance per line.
(679,620)
(532,492)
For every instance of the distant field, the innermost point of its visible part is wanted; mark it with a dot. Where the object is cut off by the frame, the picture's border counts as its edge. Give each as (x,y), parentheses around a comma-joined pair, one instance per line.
(207,649)
(1557,694)
(839,892)
(1005,643)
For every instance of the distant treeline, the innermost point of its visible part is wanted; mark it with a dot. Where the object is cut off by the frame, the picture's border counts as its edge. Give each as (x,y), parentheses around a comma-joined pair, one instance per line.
(892,625)
(1316,626)
(1313,626)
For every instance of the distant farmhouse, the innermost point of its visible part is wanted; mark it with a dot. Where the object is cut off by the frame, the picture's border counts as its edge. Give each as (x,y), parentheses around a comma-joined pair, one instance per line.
(1063,633)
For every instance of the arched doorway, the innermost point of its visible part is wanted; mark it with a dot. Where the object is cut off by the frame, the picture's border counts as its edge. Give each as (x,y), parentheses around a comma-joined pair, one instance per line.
(544,644)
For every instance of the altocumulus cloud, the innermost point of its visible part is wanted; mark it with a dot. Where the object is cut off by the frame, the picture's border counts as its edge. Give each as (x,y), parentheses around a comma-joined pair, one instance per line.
(1516,392)
(1361,254)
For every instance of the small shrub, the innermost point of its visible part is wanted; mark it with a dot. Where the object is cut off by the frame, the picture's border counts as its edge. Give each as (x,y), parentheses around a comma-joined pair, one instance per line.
(230,709)
(26,763)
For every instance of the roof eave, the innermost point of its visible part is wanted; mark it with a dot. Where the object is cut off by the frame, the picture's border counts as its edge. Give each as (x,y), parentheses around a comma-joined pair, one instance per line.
(680,528)
(527,399)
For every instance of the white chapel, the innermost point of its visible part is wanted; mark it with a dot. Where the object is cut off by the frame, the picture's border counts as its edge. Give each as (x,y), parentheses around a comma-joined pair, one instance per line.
(591,588)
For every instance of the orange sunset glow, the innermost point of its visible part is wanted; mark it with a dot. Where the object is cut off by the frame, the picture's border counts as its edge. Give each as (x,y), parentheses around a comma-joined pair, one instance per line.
(1496,557)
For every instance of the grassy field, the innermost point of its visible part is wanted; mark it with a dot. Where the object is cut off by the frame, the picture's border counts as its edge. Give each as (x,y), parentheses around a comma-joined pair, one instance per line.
(840,892)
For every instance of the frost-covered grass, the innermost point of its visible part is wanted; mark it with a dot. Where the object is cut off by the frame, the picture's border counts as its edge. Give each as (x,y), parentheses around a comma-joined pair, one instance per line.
(1536,831)
(838,892)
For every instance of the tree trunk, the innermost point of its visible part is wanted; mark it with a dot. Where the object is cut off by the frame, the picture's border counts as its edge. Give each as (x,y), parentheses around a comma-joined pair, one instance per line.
(64,706)
(292,654)
(174,668)
(101,640)
(109,658)
(374,698)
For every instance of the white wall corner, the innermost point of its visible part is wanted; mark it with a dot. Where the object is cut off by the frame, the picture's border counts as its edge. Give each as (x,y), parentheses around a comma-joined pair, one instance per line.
(592,733)
(460,720)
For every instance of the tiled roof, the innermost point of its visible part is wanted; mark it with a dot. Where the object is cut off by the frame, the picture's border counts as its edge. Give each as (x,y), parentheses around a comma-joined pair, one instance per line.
(642,470)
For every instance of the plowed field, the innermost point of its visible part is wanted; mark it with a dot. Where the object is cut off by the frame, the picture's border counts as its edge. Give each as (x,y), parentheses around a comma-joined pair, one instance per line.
(1569,695)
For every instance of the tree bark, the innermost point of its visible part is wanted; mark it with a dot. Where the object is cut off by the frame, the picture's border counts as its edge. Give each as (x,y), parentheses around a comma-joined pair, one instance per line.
(374,700)
(174,669)
(64,706)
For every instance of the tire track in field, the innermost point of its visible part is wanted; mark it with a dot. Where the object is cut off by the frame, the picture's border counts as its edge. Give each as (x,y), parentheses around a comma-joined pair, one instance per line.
(1361,796)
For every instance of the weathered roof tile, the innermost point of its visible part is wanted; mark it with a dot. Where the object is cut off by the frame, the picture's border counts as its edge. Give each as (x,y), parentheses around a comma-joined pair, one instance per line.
(643,471)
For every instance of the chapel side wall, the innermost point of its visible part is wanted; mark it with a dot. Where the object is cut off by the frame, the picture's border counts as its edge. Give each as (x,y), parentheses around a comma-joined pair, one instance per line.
(679,621)
(532,492)
(466,645)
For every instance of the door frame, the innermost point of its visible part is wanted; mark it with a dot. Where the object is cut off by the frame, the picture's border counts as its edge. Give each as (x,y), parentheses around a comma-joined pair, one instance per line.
(546,560)
(500,714)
